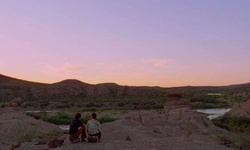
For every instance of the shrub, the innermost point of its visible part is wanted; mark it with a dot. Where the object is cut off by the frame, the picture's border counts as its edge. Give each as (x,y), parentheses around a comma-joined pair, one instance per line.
(121,104)
(26,133)
(51,135)
(60,118)
(2,105)
(239,141)
(29,113)
(200,105)
(89,109)
(106,118)
(235,124)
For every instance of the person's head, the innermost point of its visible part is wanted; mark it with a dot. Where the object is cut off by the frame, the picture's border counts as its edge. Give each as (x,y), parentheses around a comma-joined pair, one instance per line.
(78,116)
(93,115)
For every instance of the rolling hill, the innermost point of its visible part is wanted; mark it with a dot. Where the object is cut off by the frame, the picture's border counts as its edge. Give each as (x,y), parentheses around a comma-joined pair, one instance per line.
(74,90)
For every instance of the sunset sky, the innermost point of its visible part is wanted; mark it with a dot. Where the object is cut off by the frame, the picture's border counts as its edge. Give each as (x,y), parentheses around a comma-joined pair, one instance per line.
(130,42)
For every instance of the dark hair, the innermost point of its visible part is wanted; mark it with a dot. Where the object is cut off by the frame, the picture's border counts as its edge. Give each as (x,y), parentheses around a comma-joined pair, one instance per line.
(78,116)
(93,115)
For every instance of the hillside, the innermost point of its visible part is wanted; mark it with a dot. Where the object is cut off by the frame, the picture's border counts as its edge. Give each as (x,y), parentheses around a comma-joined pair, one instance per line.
(30,91)
(72,90)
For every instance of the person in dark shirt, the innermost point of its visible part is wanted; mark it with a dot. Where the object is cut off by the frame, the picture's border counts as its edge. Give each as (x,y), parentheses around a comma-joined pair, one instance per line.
(77,128)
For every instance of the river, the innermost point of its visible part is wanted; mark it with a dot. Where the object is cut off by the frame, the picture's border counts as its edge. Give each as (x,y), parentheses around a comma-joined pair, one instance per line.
(215,112)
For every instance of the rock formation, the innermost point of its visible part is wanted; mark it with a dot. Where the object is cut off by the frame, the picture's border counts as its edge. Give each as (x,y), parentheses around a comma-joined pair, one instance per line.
(240,110)
(15,125)
(16,102)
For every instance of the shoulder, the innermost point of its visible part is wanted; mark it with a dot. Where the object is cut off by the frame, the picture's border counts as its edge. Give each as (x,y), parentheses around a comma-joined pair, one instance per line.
(73,121)
(93,121)
(79,121)
(97,121)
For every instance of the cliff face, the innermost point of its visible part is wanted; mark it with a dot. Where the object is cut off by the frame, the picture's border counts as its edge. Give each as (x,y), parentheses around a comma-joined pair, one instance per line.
(240,110)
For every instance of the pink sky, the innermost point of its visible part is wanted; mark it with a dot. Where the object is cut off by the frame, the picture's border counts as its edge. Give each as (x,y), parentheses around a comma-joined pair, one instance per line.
(131,42)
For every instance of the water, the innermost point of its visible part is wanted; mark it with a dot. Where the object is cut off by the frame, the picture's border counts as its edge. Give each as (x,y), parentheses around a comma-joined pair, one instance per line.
(214,113)
(64,127)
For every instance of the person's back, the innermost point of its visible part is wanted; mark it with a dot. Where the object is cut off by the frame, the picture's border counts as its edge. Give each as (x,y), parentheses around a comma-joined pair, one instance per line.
(74,130)
(94,127)
(75,124)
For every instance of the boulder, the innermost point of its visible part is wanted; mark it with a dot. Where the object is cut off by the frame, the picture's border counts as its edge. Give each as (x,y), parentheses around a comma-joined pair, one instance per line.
(55,143)
(128,138)
(16,102)
(36,116)
(15,125)
(240,110)
(16,144)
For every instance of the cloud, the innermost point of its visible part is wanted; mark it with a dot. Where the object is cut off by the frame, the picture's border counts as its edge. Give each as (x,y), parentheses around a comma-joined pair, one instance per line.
(71,70)
(158,62)
(63,70)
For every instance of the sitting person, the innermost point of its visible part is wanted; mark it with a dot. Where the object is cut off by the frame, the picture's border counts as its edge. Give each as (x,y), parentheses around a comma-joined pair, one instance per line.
(74,130)
(94,127)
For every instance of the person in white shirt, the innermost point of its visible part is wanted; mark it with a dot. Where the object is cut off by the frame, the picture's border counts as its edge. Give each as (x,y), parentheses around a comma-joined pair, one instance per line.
(94,127)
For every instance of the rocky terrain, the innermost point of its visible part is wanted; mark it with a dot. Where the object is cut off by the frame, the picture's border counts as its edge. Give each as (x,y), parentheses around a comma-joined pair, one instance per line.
(176,127)
(240,110)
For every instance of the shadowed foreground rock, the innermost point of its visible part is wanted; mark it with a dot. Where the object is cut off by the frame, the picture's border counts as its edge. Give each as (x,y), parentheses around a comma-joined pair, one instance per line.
(55,143)
(15,126)
(16,102)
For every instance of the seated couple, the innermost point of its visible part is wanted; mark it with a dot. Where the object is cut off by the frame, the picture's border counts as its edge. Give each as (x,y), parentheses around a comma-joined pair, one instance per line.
(77,128)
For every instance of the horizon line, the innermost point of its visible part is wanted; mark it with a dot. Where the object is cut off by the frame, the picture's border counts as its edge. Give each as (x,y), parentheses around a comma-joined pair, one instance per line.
(16,78)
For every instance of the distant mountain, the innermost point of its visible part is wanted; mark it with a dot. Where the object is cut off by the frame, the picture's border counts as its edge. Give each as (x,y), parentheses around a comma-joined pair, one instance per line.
(71,82)
(68,89)
(74,89)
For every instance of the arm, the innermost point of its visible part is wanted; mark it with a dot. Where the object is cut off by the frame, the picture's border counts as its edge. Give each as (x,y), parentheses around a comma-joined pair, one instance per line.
(87,127)
(99,126)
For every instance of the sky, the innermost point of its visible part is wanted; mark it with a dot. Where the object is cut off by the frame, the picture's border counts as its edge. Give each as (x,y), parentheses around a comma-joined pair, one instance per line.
(130,42)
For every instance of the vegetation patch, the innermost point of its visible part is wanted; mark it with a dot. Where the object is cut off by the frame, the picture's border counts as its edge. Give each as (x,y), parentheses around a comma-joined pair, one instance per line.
(238,125)
(234,124)
(239,141)
(204,105)
(59,119)
(63,118)
(26,133)
(51,135)
(2,105)
(89,109)
(107,118)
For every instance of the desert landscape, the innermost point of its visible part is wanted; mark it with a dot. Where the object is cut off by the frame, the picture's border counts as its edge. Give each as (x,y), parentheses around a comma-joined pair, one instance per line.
(174,125)
(158,74)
